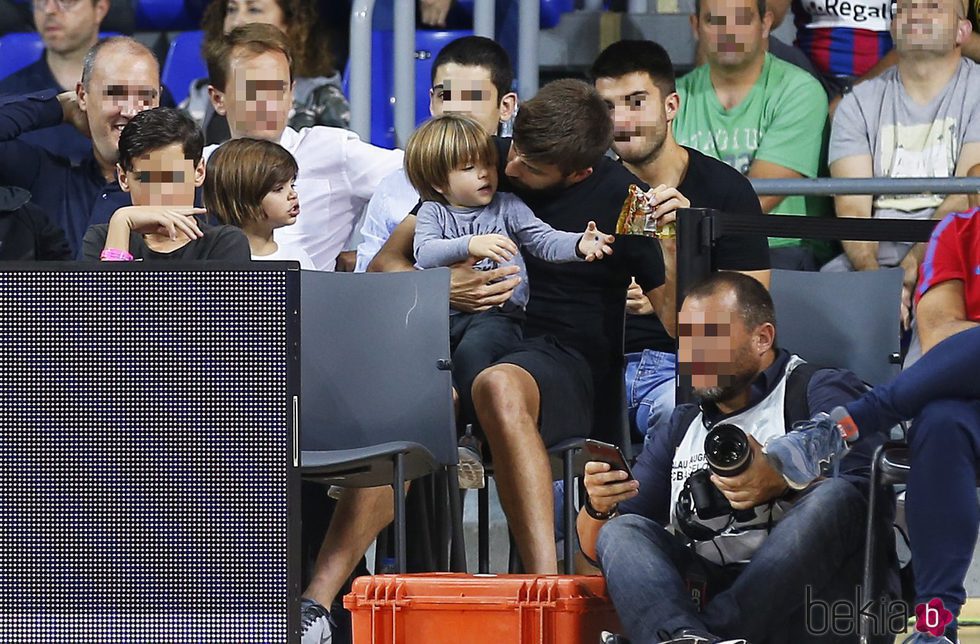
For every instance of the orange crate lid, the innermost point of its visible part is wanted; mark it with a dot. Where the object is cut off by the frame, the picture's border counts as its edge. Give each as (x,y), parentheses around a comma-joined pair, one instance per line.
(439,608)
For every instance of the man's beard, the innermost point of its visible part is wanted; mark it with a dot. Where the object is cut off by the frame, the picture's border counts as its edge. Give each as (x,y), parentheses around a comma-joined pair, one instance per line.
(641,158)
(728,387)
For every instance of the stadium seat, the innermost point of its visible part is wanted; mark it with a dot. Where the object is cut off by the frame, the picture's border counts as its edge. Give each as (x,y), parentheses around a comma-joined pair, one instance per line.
(20,49)
(164,15)
(428,44)
(184,63)
(551,10)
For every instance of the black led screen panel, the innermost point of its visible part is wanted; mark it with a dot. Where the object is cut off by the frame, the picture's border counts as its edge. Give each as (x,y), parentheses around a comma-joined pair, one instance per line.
(147,462)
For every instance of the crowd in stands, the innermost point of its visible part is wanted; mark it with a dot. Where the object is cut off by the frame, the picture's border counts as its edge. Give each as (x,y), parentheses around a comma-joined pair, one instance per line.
(96,163)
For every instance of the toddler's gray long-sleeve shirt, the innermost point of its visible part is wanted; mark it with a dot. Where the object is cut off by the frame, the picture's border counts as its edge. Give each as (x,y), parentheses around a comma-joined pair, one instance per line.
(443,233)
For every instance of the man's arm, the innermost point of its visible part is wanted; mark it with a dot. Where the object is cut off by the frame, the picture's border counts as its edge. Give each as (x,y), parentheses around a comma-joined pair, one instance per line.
(766,170)
(791,144)
(941,313)
(967,165)
(22,164)
(469,290)
(968,159)
(863,255)
(648,495)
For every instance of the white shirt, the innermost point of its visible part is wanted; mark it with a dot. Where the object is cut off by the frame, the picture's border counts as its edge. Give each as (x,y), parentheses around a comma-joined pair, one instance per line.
(338,174)
(392,202)
(287,252)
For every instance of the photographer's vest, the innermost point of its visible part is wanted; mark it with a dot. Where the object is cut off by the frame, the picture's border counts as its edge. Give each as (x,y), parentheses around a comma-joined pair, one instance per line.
(764,420)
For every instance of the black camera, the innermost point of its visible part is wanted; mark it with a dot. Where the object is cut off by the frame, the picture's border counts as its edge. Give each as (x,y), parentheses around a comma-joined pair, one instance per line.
(709,502)
(727,451)
(726,448)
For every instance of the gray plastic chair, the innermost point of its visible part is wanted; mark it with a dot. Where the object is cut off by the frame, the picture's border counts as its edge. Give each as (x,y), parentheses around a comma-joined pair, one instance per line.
(376,405)
(845,320)
(851,321)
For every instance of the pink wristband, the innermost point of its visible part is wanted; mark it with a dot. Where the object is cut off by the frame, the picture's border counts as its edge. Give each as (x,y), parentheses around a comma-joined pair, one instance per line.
(115,255)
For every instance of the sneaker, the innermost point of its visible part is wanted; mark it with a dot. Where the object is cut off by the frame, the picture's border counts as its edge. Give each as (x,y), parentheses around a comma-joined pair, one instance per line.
(612,638)
(804,454)
(471,473)
(315,622)
(925,638)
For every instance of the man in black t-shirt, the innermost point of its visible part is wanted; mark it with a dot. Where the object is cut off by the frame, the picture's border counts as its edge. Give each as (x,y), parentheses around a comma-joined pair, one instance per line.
(564,379)
(636,80)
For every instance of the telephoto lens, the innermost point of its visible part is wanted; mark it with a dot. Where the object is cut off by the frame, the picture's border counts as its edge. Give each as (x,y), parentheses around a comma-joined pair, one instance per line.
(726,448)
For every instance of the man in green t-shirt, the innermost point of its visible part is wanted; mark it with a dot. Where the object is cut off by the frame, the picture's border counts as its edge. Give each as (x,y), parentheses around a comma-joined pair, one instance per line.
(760,115)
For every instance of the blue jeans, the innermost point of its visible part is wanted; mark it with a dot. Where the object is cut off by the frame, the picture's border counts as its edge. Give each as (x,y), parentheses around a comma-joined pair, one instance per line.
(942,392)
(650,390)
(818,545)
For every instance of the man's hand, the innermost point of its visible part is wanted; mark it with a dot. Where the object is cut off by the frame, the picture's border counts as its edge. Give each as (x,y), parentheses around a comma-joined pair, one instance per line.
(499,248)
(73,113)
(594,243)
(664,203)
(637,302)
(473,291)
(759,484)
(434,12)
(910,277)
(162,220)
(607,487)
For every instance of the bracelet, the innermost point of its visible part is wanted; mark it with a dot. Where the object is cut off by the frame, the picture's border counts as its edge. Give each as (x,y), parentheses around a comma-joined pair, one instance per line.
(115,255)
(595,514)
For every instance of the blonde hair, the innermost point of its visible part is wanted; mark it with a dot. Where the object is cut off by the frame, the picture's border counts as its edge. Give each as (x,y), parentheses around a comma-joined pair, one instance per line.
(240,173)
(443,144)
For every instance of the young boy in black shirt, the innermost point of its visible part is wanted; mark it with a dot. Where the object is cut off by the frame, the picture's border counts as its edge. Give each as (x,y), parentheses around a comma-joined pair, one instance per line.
(161,165)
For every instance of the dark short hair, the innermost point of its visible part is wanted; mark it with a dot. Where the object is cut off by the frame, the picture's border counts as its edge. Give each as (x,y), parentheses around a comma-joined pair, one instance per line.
(241,172)
(759,4)
(255,39)
(631,56)
(134,47)
(157,128)
(755,305)
(477,51)
(566,124)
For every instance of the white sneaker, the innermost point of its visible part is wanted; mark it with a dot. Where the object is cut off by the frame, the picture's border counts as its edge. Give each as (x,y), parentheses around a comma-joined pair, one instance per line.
(471,473)
(315,622)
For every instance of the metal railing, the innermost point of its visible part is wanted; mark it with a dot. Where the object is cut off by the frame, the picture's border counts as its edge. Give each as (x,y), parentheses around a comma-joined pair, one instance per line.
(404,59)
(873,186)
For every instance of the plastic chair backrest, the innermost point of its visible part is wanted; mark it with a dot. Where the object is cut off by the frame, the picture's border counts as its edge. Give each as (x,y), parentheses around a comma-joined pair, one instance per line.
(551,11)
(165,15)
(184,64)
(18,50)
(371,346)
(428,44)
(845,320)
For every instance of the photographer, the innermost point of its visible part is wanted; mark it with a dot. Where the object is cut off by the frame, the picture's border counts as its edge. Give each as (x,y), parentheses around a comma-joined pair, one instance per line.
(735,538)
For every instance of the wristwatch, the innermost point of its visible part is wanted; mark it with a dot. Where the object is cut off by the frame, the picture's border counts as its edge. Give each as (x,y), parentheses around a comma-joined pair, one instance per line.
(595,514)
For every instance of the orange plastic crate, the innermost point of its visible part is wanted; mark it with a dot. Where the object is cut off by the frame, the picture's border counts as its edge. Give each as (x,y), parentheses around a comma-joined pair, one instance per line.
(448,608)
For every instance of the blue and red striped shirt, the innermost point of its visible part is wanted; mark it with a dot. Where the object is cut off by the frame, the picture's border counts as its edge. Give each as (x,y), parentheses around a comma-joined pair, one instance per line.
(843,37)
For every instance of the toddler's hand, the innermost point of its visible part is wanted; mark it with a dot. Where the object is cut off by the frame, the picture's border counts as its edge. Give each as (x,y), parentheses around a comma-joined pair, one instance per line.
(499,248)
(595,244)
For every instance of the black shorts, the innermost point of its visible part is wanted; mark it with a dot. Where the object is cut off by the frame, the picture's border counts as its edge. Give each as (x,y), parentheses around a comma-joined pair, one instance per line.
(565,385)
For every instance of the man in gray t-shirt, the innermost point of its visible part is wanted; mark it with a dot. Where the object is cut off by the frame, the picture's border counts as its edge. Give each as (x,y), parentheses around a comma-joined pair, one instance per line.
(918,119)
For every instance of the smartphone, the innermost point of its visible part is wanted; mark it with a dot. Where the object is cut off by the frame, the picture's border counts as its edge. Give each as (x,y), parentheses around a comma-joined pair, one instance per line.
(608,453)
